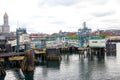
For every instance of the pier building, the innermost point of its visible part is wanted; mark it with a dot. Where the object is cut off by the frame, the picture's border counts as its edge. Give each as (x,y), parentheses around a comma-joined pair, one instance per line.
(97,45)
(111,45)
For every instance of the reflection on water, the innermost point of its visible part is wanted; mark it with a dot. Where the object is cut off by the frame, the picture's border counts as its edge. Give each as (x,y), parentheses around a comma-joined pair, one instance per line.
(74,67)
(53,64)
(92,68)
(29,75)
(11,75)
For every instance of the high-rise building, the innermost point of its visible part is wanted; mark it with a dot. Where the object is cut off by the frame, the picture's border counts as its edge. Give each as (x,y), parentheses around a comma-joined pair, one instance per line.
(5,28)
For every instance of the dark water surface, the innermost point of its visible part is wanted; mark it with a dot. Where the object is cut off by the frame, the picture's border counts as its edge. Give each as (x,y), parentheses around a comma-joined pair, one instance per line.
(74,67)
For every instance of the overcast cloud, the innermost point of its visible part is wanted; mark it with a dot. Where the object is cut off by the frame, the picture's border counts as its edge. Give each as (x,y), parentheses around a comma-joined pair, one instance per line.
(48,16)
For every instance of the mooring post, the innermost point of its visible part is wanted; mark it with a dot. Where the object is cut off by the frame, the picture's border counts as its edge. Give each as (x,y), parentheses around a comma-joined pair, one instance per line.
(6,61)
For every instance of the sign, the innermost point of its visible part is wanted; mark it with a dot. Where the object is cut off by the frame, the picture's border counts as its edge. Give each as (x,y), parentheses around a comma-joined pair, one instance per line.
(97,43)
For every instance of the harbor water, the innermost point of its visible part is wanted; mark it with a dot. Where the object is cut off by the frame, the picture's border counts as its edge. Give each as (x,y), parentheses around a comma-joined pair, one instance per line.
(74,67)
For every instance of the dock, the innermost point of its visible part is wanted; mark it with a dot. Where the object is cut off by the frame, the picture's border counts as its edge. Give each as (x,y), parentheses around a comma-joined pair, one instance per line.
(14,59)
(10,54)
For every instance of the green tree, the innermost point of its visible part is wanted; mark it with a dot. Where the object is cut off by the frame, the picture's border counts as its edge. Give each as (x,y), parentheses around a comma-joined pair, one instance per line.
(73,37)
(103,35)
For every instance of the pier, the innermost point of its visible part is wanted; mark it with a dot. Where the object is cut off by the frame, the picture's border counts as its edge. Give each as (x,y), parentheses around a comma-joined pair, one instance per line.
(14,59)
(11,58)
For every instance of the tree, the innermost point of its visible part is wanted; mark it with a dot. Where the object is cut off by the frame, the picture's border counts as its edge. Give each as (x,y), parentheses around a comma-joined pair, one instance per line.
(103,35)
(73,37)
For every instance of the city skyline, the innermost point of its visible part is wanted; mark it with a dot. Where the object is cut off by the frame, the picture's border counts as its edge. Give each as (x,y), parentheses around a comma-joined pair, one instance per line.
(49,16)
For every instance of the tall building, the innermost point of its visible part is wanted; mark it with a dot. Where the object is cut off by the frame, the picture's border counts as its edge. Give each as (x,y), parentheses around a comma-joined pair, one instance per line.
(5,28)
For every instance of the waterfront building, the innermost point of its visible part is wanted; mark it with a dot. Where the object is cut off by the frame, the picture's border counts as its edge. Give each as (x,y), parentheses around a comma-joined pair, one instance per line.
(21,32)
(21,41)
(97,46)
(97,42)
(37,41)
(5,28)
(111,45)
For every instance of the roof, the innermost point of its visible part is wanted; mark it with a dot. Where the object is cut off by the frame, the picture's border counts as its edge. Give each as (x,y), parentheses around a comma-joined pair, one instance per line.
(39,51)
(7,34)
(5,15)
(114,37)
(97,46)
(96,37)
(16,58)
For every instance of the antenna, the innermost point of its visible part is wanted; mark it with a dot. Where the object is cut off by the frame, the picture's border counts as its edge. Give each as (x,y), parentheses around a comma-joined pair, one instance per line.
(17,24)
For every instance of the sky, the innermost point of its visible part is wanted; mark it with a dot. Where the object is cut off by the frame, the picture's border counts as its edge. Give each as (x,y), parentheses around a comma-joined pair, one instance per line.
(51,16)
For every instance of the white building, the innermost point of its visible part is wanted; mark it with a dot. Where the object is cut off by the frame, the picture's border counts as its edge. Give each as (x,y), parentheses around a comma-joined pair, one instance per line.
(24,39)
(5,28)
(97,42)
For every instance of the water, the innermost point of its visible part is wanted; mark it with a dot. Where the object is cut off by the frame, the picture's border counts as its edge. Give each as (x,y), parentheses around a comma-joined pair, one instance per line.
(74,67)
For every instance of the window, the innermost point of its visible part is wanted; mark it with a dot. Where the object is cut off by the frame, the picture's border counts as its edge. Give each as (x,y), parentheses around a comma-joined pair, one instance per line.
(94,41)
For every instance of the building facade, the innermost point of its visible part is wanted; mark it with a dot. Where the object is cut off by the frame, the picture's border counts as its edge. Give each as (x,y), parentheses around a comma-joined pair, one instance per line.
(5,28)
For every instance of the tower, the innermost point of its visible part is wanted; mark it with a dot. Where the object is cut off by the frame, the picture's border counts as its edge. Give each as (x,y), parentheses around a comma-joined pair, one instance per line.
(5,17)
(5,27)
(84,35)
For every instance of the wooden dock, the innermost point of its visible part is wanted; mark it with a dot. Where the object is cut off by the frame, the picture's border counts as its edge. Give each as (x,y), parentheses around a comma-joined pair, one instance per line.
(10,54)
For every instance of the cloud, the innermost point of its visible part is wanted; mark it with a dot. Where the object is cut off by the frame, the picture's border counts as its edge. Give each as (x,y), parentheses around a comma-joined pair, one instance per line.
(36,16)
(100,2)
(113,21)
(58,2)
(103,14)
(58,22)
(50,16)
